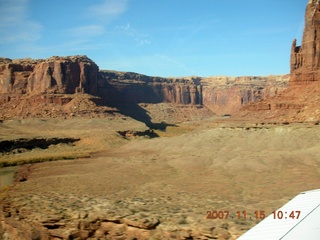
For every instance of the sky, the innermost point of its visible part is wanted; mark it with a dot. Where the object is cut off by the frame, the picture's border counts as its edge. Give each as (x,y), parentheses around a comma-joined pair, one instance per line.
(157,37)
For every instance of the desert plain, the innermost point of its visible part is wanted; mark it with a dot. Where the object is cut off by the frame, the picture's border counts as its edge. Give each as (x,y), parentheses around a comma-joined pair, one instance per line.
(145,187)
(101,154)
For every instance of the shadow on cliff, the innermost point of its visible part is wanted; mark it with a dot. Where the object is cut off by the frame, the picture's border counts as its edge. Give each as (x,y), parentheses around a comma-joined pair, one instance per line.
(140,114)
(112,97)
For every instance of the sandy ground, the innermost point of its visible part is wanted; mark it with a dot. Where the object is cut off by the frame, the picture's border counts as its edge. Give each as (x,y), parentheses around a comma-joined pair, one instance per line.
(94,134)
(200,167)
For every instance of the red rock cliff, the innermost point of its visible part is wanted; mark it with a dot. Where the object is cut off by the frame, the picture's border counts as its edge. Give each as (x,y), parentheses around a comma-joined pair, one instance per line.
(226,95)
(222,95)
(300,102)
(64,75)
(126,87)
(305,59)
(46,79)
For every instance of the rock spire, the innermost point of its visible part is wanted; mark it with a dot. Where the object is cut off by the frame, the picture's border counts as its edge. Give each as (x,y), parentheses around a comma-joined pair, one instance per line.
(305,59)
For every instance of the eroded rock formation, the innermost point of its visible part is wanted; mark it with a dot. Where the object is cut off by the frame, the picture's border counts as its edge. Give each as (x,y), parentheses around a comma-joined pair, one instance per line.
(300,102)
(63,75)
(55,80)
(305,59)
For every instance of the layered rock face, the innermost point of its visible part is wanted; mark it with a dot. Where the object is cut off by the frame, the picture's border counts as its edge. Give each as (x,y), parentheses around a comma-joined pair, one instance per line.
(305,59)
(54,80)
(220,94)
(46,88)
(126,87)
(63,75)
(226,95)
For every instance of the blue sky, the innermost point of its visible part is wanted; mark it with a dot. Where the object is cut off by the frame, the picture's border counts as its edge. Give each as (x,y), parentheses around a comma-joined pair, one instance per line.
(157,37)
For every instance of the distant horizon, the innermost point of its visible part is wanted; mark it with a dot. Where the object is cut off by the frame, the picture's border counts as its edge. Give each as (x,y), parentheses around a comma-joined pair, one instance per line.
(167,39)
(115,70)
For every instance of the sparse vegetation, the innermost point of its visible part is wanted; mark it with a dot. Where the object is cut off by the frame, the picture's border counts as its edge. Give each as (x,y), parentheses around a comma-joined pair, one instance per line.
(27,160)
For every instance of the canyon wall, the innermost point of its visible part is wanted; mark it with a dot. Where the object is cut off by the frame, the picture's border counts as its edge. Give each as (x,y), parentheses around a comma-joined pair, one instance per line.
(55,79)
(226,95)
(127,87)
(222,95)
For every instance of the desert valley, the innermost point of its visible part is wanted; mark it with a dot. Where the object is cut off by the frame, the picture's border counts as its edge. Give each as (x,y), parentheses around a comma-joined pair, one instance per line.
(95,154)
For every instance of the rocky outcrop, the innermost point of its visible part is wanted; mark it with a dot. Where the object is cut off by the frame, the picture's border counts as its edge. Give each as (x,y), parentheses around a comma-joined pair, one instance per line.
(300,102)
(63,75)
(97,218)
(296,104)
(52,106)
(305,59)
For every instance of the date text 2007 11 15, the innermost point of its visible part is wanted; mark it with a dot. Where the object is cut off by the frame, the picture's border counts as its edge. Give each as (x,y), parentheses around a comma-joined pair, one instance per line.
(224,214)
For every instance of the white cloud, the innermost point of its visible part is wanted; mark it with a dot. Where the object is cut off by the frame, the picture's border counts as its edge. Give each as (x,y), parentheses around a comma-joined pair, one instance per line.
(141,39)
(100,15)
(87,31)
(143,42)
(15,26)
(12,11)
(108,9)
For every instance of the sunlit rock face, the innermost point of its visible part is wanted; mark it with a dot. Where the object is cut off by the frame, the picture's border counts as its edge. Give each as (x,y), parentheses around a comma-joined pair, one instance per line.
(63,75)
(305,59)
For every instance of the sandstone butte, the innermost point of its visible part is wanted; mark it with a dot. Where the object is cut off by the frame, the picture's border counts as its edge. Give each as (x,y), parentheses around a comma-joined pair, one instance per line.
(74,86)
(45,87)
(32,88)
(300,102)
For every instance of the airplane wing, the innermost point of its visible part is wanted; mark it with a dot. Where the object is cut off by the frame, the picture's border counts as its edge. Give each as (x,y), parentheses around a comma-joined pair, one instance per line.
(298,219)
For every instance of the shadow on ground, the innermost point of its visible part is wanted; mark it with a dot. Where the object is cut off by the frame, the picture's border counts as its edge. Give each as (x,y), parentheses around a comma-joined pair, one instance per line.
(140,114)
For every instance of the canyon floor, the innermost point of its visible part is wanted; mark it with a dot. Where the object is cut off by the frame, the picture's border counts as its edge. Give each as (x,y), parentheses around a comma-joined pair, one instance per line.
(125,183)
